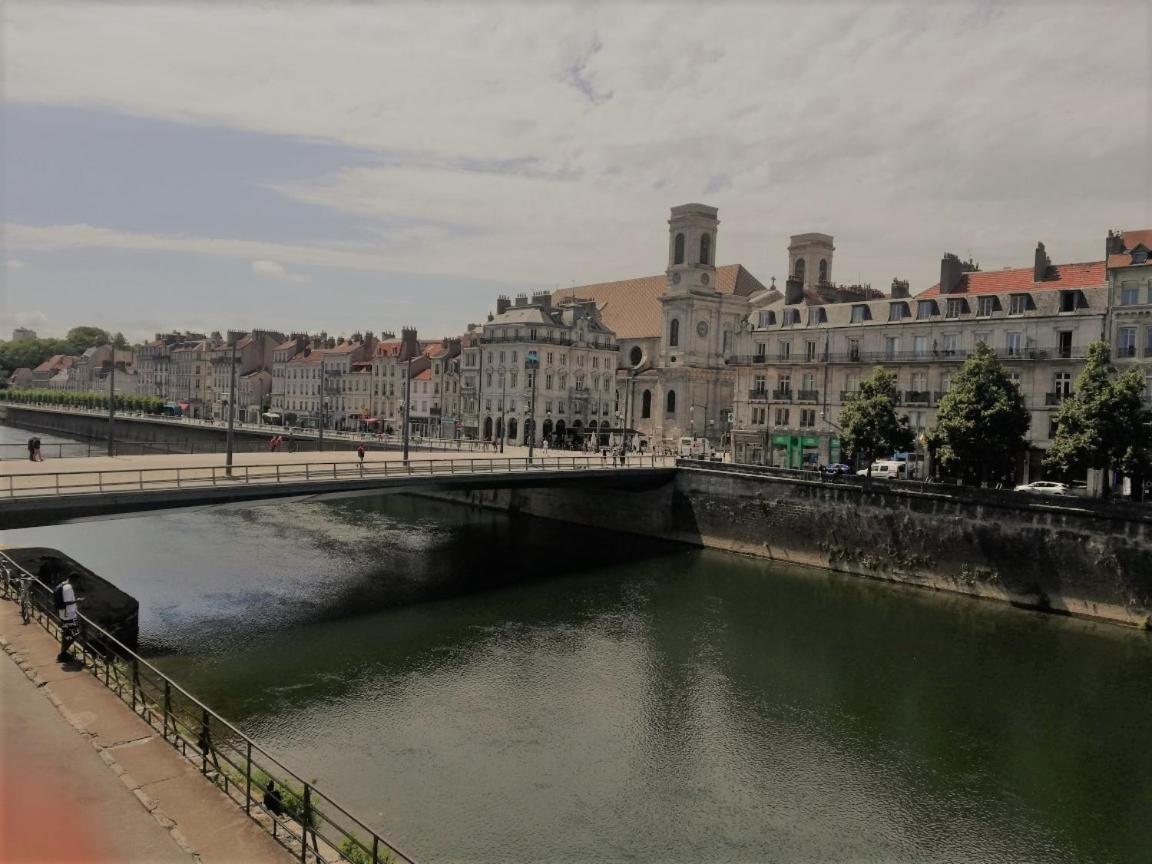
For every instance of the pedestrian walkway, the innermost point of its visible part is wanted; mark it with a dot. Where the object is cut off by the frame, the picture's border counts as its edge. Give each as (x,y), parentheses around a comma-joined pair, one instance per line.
(86,780)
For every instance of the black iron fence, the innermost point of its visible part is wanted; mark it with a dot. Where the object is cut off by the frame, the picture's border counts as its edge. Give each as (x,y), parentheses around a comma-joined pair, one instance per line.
(302,818)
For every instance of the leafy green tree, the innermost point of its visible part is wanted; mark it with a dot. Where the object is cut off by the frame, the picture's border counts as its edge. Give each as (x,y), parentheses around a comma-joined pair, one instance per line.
(1104,423)
(869,422)
(83,338)
(982,420)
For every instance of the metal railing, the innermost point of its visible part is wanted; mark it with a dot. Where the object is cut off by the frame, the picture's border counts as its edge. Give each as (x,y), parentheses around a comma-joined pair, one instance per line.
(98,481)
(311,825)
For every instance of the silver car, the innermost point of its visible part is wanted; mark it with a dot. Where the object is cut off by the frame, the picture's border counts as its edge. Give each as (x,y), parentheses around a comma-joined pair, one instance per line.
(1045,487)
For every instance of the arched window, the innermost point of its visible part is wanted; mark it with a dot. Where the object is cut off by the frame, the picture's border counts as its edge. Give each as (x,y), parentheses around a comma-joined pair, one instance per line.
(705,248)
(678,252)
(635,355)
(823,271)
(800,269)
(511,428)
(670,403)
(674,333)
(646,405)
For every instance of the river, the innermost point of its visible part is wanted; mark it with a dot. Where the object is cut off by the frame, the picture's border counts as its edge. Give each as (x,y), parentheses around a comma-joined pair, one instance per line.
(503,689)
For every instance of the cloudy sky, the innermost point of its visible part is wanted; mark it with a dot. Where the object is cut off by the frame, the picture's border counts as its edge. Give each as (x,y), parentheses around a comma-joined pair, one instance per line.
(365,166)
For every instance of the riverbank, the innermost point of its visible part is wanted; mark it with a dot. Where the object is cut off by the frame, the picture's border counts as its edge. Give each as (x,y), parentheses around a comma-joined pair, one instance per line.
(129,796)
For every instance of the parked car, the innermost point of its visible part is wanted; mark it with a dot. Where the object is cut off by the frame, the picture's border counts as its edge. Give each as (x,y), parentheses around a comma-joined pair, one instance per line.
(840,468)
(1045,487)
(885,469)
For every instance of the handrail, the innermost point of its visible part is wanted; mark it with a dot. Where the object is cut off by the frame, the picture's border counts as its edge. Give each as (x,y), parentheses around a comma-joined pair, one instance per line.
(357,843)
(34,484)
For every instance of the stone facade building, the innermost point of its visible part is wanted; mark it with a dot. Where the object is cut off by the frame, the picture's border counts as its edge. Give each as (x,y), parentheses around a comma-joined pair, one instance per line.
(1130,293)
(802,356)
(153,362)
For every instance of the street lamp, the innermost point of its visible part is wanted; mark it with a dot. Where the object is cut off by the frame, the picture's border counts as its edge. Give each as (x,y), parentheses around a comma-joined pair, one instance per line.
(532,366)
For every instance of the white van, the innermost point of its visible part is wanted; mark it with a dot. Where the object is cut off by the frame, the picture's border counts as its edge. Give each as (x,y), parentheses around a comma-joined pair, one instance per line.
(886,469)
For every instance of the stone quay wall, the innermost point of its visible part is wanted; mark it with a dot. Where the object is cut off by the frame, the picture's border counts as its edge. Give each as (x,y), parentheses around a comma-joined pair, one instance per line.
(1070,556)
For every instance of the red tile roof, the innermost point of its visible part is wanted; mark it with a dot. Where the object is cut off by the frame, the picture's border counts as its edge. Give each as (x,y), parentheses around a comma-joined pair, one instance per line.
(631,307)
(1020,279)
(1132,239)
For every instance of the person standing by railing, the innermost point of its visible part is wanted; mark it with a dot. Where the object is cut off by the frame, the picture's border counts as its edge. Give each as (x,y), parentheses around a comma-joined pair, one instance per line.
(64,599)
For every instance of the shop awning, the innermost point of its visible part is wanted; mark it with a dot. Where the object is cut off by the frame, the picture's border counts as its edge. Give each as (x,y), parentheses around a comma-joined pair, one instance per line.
(183,405)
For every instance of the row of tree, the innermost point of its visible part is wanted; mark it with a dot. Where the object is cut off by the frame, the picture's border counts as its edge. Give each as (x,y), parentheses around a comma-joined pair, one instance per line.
(30,353)
(982,421)
(77,399)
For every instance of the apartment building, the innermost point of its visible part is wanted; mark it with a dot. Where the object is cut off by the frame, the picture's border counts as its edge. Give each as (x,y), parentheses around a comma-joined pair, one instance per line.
(1130,294)
(804,354)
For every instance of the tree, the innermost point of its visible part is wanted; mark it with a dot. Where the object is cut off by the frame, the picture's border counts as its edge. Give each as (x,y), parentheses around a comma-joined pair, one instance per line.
(982,420)
(869,422)
(83,338)
(118,341)
(1104,424)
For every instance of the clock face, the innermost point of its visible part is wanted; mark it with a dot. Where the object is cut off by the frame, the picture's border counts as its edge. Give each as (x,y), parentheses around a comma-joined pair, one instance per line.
(675,278)
(703,278)
(702,328)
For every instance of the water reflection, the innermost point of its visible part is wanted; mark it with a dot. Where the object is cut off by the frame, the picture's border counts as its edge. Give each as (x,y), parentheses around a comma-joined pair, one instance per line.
(502,689)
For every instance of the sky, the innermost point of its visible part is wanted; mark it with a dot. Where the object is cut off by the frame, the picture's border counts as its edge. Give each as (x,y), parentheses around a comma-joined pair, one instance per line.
(368,166)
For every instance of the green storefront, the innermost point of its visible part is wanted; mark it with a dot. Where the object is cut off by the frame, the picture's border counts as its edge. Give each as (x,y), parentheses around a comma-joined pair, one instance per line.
(795,451)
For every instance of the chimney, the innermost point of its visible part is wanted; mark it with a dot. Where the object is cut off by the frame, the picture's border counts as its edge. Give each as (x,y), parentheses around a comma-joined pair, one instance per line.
(521,299)
(1041,264)
(899,289)
(1114,245)
(543,299)
(502,304)
(793,291)
(951,272)
(409,345)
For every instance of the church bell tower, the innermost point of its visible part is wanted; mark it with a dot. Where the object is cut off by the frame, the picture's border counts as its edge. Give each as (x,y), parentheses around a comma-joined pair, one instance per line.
(692,250)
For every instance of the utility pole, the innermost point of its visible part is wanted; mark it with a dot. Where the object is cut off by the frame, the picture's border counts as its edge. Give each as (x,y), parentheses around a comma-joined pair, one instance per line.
(320,425)
(231,410)
(407,406)
(112,405)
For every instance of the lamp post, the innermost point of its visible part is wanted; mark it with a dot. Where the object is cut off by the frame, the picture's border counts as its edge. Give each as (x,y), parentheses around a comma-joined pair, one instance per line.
(320,410)
(407,406)
(532,366)
(231,411)
(503,400)
(112,405)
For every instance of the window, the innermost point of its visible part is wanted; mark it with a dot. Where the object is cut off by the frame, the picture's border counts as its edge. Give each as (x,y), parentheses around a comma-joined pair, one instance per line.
(810,350)
(1068,301)
(807,418)
(852,383)
(1014,344)
(1126,344)
(1062,383)
(791,316)
(800,269)
(920,347)
(634,356)
(761,350)
(547,382)
(678,250)
(782,416)
(674,333)
(785,350)
(891,347)
(760,383)
(925,309)
(919,382)
(948,344)
(512,380)
(767,319)
(705,248)
(859,314)
(897,311)
(957,306)
(1018,304)
(854,349)
(815,316)
(1129,294)
(670,403)
(646,404)
(823,271)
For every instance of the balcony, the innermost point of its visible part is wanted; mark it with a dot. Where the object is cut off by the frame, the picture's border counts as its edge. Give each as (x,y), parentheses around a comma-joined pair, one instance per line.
(1053,399)
(782,394)
(807,395)
(758,395)
(916,397)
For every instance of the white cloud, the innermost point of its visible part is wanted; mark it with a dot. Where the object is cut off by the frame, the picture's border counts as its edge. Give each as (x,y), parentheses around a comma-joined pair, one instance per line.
(277,271)
(545,143)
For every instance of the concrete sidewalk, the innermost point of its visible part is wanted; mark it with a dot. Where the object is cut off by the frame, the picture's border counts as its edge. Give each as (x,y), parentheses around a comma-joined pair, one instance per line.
(86,780)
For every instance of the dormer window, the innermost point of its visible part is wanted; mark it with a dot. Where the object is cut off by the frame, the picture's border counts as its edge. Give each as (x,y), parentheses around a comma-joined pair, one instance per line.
(767,319)
(1140,255)
(957,306)
(791,317)
(817,315)
(1069,301)
(898,311)
(860,313)
(1018,304)
(926,309)
(985,306)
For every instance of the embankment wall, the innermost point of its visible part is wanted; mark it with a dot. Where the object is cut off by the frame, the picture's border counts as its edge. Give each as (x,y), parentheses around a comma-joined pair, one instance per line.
(1076,557)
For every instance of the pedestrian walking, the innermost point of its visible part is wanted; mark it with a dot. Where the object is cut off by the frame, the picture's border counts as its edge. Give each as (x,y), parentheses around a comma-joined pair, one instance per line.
(360,456)
(31,449)
(36,445)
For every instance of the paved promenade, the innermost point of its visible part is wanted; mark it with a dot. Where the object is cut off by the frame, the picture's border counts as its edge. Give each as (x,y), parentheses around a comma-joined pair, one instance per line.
(86,780)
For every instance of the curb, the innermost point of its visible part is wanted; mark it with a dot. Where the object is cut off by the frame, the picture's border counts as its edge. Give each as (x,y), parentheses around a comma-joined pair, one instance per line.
(149,804)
